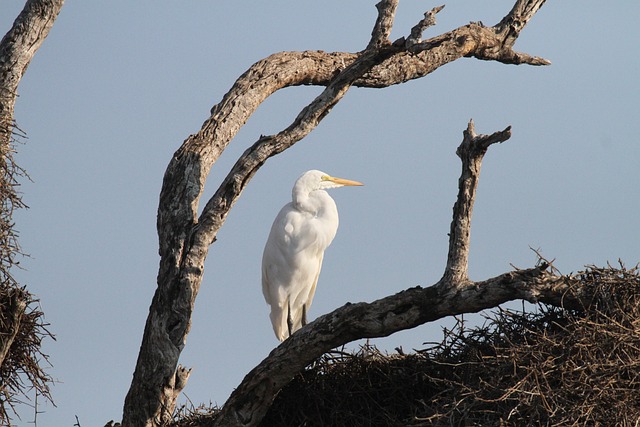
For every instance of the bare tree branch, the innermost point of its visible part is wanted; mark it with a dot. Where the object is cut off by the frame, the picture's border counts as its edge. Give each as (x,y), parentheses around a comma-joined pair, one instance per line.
(518,17)
(185,176)
(508,30)
(384,24)
(471,152)
(216,209)
(185,238)
(453,294)
(428,21)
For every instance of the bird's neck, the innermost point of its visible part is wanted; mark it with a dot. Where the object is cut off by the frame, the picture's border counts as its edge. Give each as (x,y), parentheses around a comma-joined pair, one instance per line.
(317,203)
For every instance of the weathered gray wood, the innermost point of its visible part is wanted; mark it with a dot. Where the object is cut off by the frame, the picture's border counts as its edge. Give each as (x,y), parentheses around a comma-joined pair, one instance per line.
(17,48)
(471,151)
(185,238)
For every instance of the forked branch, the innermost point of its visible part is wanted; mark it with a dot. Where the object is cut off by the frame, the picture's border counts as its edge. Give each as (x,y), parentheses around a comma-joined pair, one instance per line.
(377,51)
(471,151)
(453,294)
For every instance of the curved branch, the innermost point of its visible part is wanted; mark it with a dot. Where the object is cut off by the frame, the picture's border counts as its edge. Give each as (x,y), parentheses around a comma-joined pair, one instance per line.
(185,176)
(453,294)
(184,238)
(403,63)
(217,208)
(413,307)
(17,48)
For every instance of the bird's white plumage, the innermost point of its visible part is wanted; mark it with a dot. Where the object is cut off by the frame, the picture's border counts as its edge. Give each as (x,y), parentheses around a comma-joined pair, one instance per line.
(293,254)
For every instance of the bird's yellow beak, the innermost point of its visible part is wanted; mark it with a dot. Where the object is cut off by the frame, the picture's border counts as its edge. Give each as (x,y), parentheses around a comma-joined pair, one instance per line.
(341,181)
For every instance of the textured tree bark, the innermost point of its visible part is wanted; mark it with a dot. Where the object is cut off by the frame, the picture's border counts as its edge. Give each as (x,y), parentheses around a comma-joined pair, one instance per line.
(471,152)
(184,237)
(17,48)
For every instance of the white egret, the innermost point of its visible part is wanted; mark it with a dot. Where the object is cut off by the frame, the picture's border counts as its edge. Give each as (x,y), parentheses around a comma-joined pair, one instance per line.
(293,254)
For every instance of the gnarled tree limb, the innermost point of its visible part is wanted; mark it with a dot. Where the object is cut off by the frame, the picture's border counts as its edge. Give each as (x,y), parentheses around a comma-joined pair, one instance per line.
(185,238)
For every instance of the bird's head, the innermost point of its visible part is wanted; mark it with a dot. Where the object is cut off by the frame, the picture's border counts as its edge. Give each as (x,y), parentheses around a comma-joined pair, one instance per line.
(318,180)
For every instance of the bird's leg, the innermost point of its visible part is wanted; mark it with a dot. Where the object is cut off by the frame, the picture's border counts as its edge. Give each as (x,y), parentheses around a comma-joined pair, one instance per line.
(304,314)
(289,319)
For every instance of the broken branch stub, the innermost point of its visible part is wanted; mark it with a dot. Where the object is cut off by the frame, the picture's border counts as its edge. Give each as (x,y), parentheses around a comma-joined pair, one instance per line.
(471,152)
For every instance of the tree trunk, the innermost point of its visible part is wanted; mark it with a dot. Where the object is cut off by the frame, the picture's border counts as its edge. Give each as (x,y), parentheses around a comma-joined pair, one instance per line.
(17,48)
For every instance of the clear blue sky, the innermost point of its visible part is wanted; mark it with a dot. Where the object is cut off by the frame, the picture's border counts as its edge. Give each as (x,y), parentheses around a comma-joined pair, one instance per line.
(118,86)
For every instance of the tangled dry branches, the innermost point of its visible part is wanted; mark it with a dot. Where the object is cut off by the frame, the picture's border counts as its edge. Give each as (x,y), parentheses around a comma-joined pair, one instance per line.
(22,372)
(10,200)
(21,322)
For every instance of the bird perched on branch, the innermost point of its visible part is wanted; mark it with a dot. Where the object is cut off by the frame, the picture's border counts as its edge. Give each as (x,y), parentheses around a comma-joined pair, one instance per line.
(293,254)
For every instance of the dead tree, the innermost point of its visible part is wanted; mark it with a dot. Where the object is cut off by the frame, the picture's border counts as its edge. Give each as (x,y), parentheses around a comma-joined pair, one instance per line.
(185,236)
(21,327)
